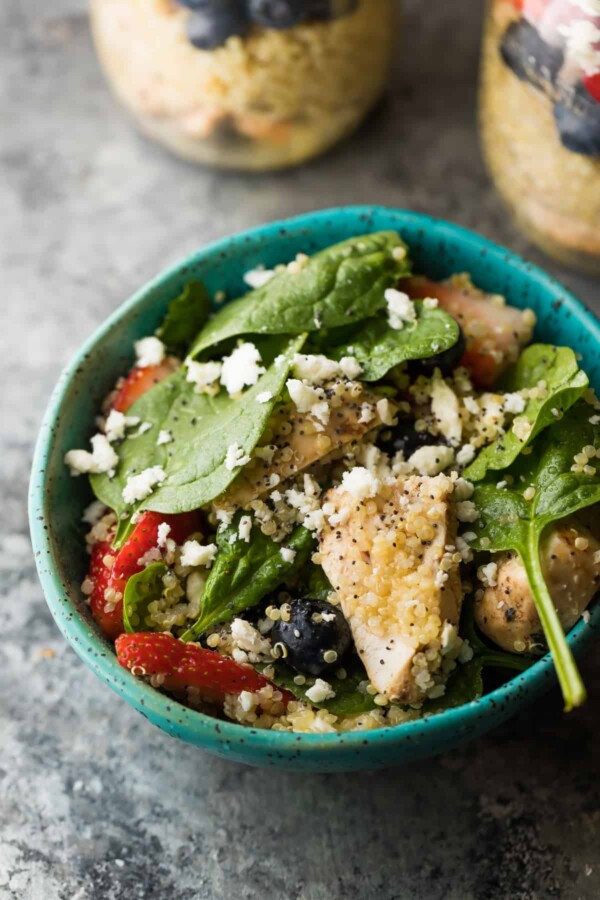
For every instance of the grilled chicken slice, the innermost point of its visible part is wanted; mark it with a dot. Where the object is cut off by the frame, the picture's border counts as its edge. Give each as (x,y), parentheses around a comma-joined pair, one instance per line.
(570,557)
(294,440)
(495,332)
(392,562)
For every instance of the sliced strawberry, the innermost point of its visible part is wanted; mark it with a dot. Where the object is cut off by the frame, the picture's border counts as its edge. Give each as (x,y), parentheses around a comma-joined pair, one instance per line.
(140,380)
(186,665)
(592,85)
(108,614)
(494,334)
(532,9)
(107,608)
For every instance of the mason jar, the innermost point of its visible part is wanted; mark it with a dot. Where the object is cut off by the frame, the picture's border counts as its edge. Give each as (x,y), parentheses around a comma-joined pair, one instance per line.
(246,84)
(540,121)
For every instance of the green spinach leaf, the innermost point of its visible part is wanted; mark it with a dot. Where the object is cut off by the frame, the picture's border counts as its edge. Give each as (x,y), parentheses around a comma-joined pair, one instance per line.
(314,583)
(202,429)
(244,573)
(186,315)
(348,700)
(509,521)
(565,384)
(378,347)
(464,684)
(342,283)
(141,590)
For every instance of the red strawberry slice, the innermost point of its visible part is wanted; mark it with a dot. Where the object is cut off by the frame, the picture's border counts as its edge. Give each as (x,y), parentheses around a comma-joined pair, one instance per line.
(186,665)
(107,607)
(140,380)
(494,334)
(531,9)
(592,85)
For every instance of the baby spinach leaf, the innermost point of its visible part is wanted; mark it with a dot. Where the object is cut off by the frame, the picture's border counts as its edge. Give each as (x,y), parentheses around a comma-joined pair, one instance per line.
(565,384)
(345,282)
(314,583)
(142,589)
(186,315)
(244,573)
(378,347)
(348,700)
(507,521)
(464,685)
(202,429)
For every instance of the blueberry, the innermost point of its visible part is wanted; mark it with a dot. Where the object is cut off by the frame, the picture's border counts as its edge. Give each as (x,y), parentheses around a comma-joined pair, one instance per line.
(210,25)
(277,13)
(323,10)
(309,637)
(578,122)
(528,55)
(406,438)
(446,361)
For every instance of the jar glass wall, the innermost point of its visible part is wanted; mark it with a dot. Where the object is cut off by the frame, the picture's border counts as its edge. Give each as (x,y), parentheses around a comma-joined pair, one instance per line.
(540,120)
(225,87)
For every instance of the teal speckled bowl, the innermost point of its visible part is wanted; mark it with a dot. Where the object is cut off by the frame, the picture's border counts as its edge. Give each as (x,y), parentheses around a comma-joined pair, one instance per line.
(57,500)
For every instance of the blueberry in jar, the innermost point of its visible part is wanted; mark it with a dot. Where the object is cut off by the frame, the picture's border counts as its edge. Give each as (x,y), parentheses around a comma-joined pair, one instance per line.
(212,23)
(404,437)
(528,55)
(578,122)
(317,636)
(446,361)
(277,13)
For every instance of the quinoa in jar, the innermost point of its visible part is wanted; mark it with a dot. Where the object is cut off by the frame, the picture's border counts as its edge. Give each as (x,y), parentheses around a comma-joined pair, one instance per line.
(540,121)
(246,84)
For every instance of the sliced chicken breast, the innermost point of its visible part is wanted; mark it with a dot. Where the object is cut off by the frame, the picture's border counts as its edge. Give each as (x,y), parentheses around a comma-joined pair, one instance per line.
(506,612)
(393,564)
(294,440)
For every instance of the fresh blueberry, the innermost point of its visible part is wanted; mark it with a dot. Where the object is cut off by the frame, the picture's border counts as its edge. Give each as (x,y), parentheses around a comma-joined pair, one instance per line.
(316,628)
(210,25)
(578,121)
(277,13)
(446,361)
(406,438)
(324,10)
(528,55)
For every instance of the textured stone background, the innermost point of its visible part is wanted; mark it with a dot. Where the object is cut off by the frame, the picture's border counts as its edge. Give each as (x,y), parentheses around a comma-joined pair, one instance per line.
(96,804)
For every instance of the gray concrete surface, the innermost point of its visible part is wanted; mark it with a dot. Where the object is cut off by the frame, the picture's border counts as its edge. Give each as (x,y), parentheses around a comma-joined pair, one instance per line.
(95,804)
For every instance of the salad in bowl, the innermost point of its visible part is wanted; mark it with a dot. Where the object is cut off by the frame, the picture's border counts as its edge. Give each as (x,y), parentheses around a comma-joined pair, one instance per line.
(342,500)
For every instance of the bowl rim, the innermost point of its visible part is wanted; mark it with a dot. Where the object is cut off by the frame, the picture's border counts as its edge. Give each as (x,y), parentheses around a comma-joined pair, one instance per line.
(91,647)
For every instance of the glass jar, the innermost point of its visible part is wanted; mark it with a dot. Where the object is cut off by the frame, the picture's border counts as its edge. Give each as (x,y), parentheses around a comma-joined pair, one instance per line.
(246,84)
(540,121)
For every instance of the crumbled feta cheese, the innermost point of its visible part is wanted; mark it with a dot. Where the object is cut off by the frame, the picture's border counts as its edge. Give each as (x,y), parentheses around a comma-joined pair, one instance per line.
(287,554)
(431,460)
(150,351)
(235,457)
(385,411)
(204,375)
(193,554)
(116,423)
(514,403)
(367,414)
(247,638)
(401,309)
(465,455)
(308,399)
(255,278)
(314,369)
(264,397)
(350,367)
(471,405)
(431,302)
(466,511)
(522,427)
(164,530)
(164,437)
(94,512)
(360,483)
(144,427)
(320,691)
(488,574)
(244,529)
(582,37)
(138,487)
(102,458)
(463,489)
(241,369)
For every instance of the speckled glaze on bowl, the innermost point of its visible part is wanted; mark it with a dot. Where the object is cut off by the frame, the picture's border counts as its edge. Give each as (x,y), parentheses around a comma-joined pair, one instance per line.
(57,500)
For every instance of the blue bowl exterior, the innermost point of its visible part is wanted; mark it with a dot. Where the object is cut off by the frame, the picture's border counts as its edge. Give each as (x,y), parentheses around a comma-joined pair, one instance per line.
(56,500)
